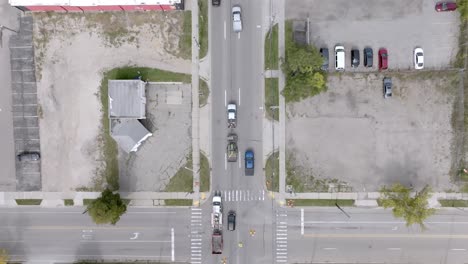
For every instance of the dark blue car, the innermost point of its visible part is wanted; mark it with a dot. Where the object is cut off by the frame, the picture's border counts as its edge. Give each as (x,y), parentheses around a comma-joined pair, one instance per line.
(249,163)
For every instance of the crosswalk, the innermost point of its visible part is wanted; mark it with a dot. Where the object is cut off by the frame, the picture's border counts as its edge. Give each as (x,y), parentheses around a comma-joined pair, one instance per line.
(196,231)
(281,236)
(243,195)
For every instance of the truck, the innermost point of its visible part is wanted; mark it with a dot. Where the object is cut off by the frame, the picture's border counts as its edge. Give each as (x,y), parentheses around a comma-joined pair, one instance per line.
(217,242)
(232,115)
(216,223)
(232,148)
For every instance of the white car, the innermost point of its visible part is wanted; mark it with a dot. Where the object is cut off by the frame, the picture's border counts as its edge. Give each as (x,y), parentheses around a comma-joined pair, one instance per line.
(236,19)
(418,58)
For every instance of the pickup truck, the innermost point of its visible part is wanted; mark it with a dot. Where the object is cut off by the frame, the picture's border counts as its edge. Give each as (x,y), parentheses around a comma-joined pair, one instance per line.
(232,148)
(232,115)
(249,163)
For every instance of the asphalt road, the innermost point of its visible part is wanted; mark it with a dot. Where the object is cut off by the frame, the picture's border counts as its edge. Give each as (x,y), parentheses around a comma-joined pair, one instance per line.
(236,77)
(65,235)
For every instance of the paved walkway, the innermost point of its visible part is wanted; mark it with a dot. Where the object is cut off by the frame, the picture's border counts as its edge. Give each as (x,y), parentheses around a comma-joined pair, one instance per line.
(279,18)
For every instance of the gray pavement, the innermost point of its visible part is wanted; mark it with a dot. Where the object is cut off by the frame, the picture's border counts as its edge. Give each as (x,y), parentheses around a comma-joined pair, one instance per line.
(9,17)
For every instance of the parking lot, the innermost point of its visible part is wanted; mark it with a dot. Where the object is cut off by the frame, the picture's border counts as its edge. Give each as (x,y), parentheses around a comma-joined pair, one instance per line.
(72,53)
(398,25)
(353,134)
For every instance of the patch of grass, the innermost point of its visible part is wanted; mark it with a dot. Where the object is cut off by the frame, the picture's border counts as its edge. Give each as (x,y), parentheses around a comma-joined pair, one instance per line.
(178,202)
(464,188)
(87,202)
(110,171)
(203,27)
(453,203)
(185,41)
(68,202)
(28,201)
(271,49)
(204,173)
(272,98)
(182,181)
(204,92)
(321,202)
(272,172)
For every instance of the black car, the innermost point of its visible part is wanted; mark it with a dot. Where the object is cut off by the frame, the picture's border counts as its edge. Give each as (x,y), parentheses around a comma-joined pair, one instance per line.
(29,156)
(368,57)
(216,2)
(355,58)
(232,221)
(324,52)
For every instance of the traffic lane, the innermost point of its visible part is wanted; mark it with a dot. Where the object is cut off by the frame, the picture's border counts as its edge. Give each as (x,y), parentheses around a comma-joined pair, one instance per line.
(75,217)
(362,249)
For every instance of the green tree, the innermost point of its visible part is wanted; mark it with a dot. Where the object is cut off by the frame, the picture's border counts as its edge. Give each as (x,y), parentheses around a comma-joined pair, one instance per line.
(107,209)
(413,208)
(304,85)
(301,60)
(462,6)
(4,256)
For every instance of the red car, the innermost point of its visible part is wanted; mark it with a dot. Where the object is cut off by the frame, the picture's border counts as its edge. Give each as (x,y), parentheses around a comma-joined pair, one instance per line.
(445,6)
(383,59)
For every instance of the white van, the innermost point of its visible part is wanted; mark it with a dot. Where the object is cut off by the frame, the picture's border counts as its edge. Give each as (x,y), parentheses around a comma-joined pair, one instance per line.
(339,58)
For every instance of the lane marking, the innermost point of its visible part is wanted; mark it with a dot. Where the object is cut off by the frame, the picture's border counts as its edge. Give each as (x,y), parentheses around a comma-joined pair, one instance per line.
(386,236)
(394,248)
(135,236)
(238,154)
(239,98)
(224,29)
(225,98)
(225,161)
(458,249)
(302,221)
(238,35)
(372,222)
(329,248)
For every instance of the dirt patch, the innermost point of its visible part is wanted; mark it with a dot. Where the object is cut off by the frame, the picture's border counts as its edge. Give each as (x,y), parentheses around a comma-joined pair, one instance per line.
(71,53)
(354,135)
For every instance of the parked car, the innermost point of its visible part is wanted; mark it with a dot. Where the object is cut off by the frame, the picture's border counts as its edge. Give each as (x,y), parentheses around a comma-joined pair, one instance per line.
(236,19)
(418,58)
(232,221)
(368,57)
(383,59)
(324,52)
(355,58)
(216,2)
(445,6)
(339,58)
(387,87)
(29,156)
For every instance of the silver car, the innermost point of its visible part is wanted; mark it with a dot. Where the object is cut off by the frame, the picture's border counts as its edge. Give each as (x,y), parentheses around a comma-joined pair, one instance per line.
(236,19)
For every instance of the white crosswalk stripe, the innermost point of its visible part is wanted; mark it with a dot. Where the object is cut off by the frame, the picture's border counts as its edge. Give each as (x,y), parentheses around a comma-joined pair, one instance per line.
(196,240)
(281,237)
(243,195)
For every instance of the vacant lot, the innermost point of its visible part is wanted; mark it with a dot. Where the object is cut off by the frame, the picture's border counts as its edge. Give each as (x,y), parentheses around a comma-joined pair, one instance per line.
(398,25)
(352,134)
(72,51)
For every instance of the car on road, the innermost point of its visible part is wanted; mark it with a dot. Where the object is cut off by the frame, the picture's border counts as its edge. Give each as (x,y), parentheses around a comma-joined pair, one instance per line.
(387,87)
(232,148)
(383,59)
(339,58)
(29,156)
(216,2)
(368,57)
(445,6)
(324,52)
(232,221)
(249,163)
(236,19)
(418,58)
(355,58)
(232,115)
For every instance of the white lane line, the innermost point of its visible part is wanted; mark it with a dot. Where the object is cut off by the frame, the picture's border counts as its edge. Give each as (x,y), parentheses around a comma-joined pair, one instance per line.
(329,248)
(225,161)
(263,195)
(281,249)
(302,221)
(238,35)
(283,223)
(237,196)
(172,245)
(224,29)
(239,98)
(394,248)
(458,249)
(229,196)
(225,195)
(248,195)
(281,253)
(281,238)
(238,154)
(225,98)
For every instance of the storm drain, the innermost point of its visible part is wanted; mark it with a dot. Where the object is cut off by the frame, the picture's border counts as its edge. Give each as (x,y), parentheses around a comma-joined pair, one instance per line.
(25,108)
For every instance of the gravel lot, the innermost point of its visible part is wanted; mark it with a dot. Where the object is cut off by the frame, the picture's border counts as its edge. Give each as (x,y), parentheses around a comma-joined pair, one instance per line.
(398,25)
(351,133)
(72,51)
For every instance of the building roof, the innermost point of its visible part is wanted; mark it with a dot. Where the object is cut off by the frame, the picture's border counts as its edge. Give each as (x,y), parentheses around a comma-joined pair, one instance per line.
(127,99)
(129,133)
(90,2)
